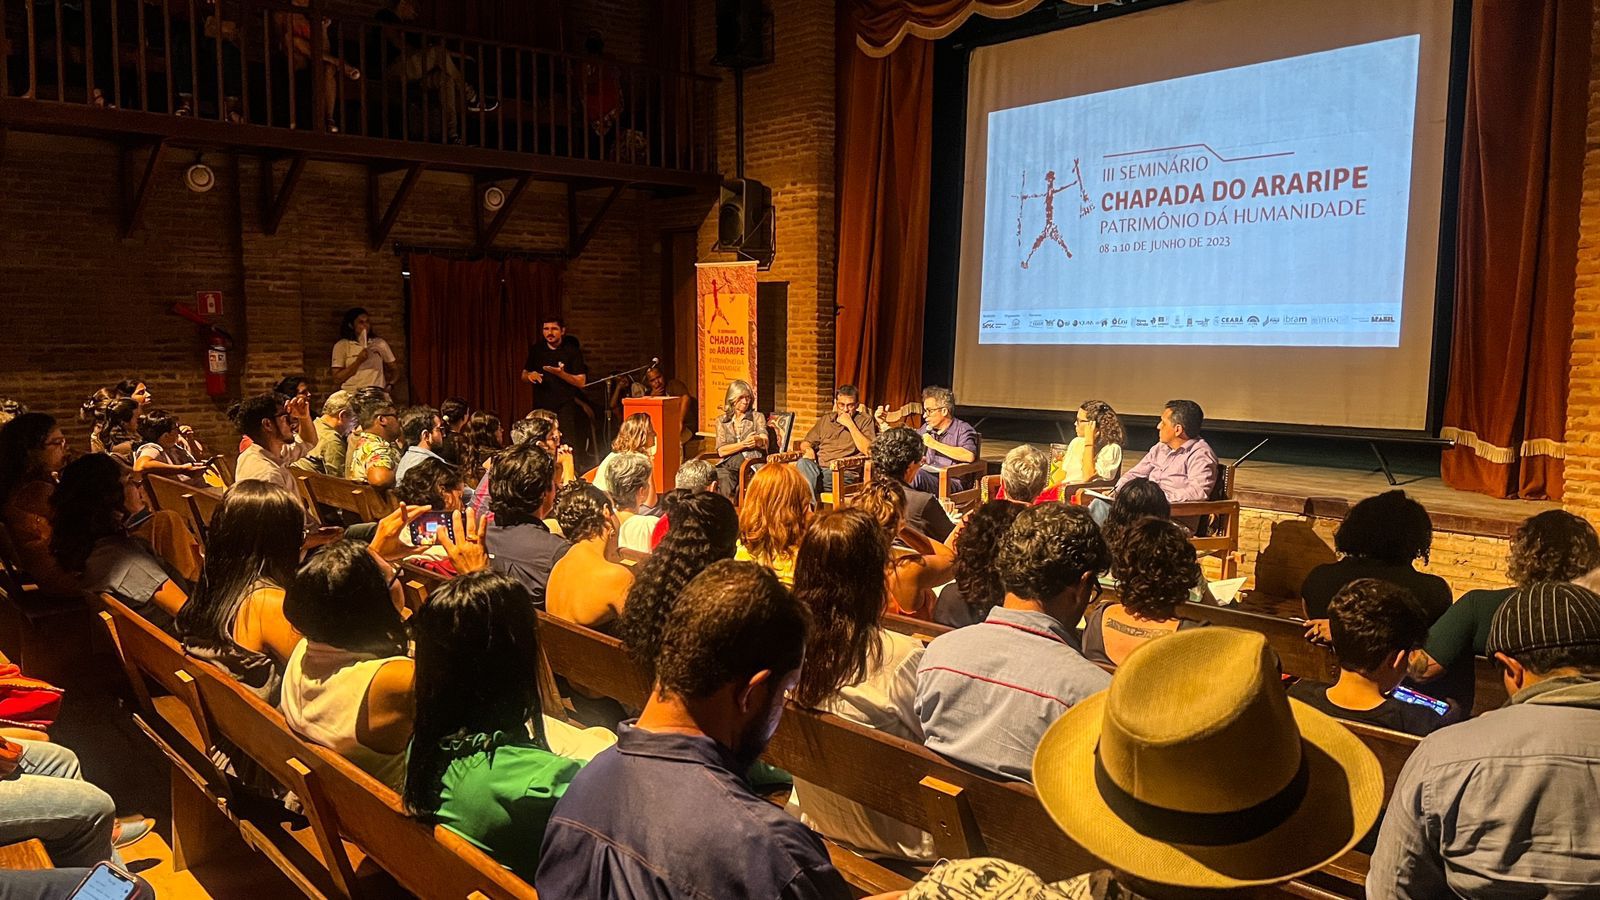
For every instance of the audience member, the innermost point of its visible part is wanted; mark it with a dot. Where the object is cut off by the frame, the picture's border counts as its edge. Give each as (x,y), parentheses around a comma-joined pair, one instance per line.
(1194,776)
(347,685)
(667,813)
(1095,452)
(1375,626)
(1181,463)
(542,427)
(741,435)
(160,451)
(94,507)
(589,584)
(698,475)
(1156,571)
(474,766)
(113,429)
(976,588)
(1138,499)
(294,386)
(32,450)
(845,432)
(629,477)
(917,563)
(637,435)
(705,529)
(275,444)
(1554,545)
(1381,537)
(1022,474)
(433,483)
(897,456)
(481,441)
(361,358)
(947,440)
(855,669)
(423,432)
(134,389)
(235,618)
(1503,805)
(985,694)
(333,428)
(520,544)
(43,796)
(374,456)
(777,504)
(454,411)
(10,409)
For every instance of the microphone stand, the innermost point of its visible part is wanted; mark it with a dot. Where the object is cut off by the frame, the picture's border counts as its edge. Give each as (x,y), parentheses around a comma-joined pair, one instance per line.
(607,402)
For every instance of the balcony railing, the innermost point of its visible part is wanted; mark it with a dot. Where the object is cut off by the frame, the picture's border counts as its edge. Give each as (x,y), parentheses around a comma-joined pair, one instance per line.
(286,65)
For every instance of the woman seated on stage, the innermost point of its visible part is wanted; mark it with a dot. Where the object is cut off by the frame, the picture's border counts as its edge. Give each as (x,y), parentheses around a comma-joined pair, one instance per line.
(1381,537)
(1095,454)
(704,529)
(475,767)
(777,505)
(917,563)
(1156,569)
(235,618)
(855,669)
(480,441)
(741,435)
(976,588)
(95,507)
(589,584)
(637,435)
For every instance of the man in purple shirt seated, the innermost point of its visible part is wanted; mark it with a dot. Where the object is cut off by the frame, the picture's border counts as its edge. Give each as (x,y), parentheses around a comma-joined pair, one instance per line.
(667,813)
(1181,463)
(949,441)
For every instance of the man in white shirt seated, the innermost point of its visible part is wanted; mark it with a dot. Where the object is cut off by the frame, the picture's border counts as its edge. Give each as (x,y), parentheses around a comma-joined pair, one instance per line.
(281,433)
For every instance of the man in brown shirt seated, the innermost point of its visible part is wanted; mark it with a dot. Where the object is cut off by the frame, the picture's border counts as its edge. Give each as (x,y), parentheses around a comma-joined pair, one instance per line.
(848,432)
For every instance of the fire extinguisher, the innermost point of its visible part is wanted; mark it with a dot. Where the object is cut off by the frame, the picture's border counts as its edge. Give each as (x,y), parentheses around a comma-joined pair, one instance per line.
(218,343)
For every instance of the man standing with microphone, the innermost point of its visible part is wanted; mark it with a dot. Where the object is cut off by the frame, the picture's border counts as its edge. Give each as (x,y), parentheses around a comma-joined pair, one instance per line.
(556,369)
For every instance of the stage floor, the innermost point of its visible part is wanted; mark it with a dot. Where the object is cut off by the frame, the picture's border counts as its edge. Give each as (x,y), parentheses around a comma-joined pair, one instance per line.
(1329,492)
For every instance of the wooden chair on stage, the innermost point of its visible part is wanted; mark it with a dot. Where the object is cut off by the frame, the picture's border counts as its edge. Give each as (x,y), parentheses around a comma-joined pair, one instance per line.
(1217,533)
(841,489)
(972,473)
(780,432)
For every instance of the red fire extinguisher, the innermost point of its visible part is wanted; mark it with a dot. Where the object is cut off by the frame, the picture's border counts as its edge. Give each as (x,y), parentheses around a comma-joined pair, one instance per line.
(218,343)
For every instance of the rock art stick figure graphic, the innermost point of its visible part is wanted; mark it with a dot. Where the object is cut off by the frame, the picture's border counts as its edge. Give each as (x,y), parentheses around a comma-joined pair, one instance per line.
(1051,231)
(716,304)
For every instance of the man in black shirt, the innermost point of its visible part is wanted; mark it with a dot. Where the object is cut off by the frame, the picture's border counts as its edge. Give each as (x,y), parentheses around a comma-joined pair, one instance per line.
(1375,627)
(556,369)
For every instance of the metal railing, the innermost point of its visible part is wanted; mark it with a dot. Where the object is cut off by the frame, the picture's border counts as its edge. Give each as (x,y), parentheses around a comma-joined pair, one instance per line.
(252,62)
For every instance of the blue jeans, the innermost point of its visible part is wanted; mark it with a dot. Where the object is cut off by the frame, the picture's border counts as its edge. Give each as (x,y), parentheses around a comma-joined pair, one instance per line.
(820,479)
(47,798)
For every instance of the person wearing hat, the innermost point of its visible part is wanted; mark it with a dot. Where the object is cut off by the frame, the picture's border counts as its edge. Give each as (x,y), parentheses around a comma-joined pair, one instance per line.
(1505,805)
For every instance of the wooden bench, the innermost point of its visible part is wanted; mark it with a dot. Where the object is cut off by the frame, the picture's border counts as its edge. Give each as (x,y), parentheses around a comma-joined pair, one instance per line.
(194,504)
(351,501)
(48,635)
(1299,657)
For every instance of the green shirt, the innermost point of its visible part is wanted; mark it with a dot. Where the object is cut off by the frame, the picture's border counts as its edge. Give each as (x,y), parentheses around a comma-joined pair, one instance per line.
(1461,633)
(500,800)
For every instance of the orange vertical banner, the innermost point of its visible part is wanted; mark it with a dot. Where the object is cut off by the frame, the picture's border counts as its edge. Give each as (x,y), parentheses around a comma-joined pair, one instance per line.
(726,332)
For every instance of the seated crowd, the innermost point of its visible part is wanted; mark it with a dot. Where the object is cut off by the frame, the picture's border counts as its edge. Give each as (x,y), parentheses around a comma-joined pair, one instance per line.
(1068,659)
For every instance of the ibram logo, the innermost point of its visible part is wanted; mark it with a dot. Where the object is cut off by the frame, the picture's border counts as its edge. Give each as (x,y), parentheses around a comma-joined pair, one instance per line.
(1051,231)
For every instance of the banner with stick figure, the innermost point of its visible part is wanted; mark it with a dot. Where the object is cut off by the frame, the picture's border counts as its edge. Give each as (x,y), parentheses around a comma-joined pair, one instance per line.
(725,331)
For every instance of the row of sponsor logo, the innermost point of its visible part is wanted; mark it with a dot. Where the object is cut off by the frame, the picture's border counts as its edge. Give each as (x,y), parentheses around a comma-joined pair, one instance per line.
(1008,322)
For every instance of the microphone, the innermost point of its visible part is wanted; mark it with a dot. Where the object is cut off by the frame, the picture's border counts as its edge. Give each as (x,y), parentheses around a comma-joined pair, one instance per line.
(655,360)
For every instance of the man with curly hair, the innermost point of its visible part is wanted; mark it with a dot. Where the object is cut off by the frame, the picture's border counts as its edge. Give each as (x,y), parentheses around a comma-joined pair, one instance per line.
(1552,546)
(987,692)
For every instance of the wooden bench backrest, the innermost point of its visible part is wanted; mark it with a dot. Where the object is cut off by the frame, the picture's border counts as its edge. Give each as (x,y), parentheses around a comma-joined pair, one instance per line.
(193,504)
(1300,657)
(363,501)
(920,629)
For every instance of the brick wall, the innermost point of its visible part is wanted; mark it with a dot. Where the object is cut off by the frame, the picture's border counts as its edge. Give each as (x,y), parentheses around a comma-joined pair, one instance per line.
(83,309)
(1583,401)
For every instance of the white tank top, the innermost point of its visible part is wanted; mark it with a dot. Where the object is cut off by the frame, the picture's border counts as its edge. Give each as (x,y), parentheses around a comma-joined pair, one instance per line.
(323,689)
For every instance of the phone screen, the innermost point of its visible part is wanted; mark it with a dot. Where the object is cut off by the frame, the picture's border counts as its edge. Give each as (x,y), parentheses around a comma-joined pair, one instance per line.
(1407,695)
(425,529)
(106,883)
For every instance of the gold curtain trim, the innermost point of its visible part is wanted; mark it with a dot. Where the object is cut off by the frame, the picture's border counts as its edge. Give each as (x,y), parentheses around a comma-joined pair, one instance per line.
(1545,447)
(1504,456)
(935,32)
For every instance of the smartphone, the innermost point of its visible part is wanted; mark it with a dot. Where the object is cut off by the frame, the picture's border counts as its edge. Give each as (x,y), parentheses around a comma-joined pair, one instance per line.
(1407,695)
(425,528)
(107,882)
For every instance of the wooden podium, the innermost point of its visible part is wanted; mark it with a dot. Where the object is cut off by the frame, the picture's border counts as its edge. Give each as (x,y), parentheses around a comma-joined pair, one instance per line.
(666,416)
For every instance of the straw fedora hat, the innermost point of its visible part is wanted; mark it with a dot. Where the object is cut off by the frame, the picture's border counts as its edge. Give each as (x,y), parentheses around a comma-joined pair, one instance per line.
(1196,769)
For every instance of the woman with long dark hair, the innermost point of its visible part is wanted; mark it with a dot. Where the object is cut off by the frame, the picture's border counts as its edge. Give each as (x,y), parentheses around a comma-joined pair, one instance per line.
(976,588)
(481,439)
(917,563)
(347,685)
(32,450)
(235,618)
(361,358)
(113,428)
(473,765)
(855,668)
(704,529)
(1139,499)
(94,507)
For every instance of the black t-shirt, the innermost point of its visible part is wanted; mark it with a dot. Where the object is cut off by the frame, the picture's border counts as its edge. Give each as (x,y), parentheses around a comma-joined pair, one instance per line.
(924,513)
(554,393)
(952,609)
(1395,715)
(1324,581)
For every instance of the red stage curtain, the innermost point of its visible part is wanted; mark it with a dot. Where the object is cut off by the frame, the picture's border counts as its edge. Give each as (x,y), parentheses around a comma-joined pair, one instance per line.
(881,25)
(470,325)
(885,162)
(1521,185)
